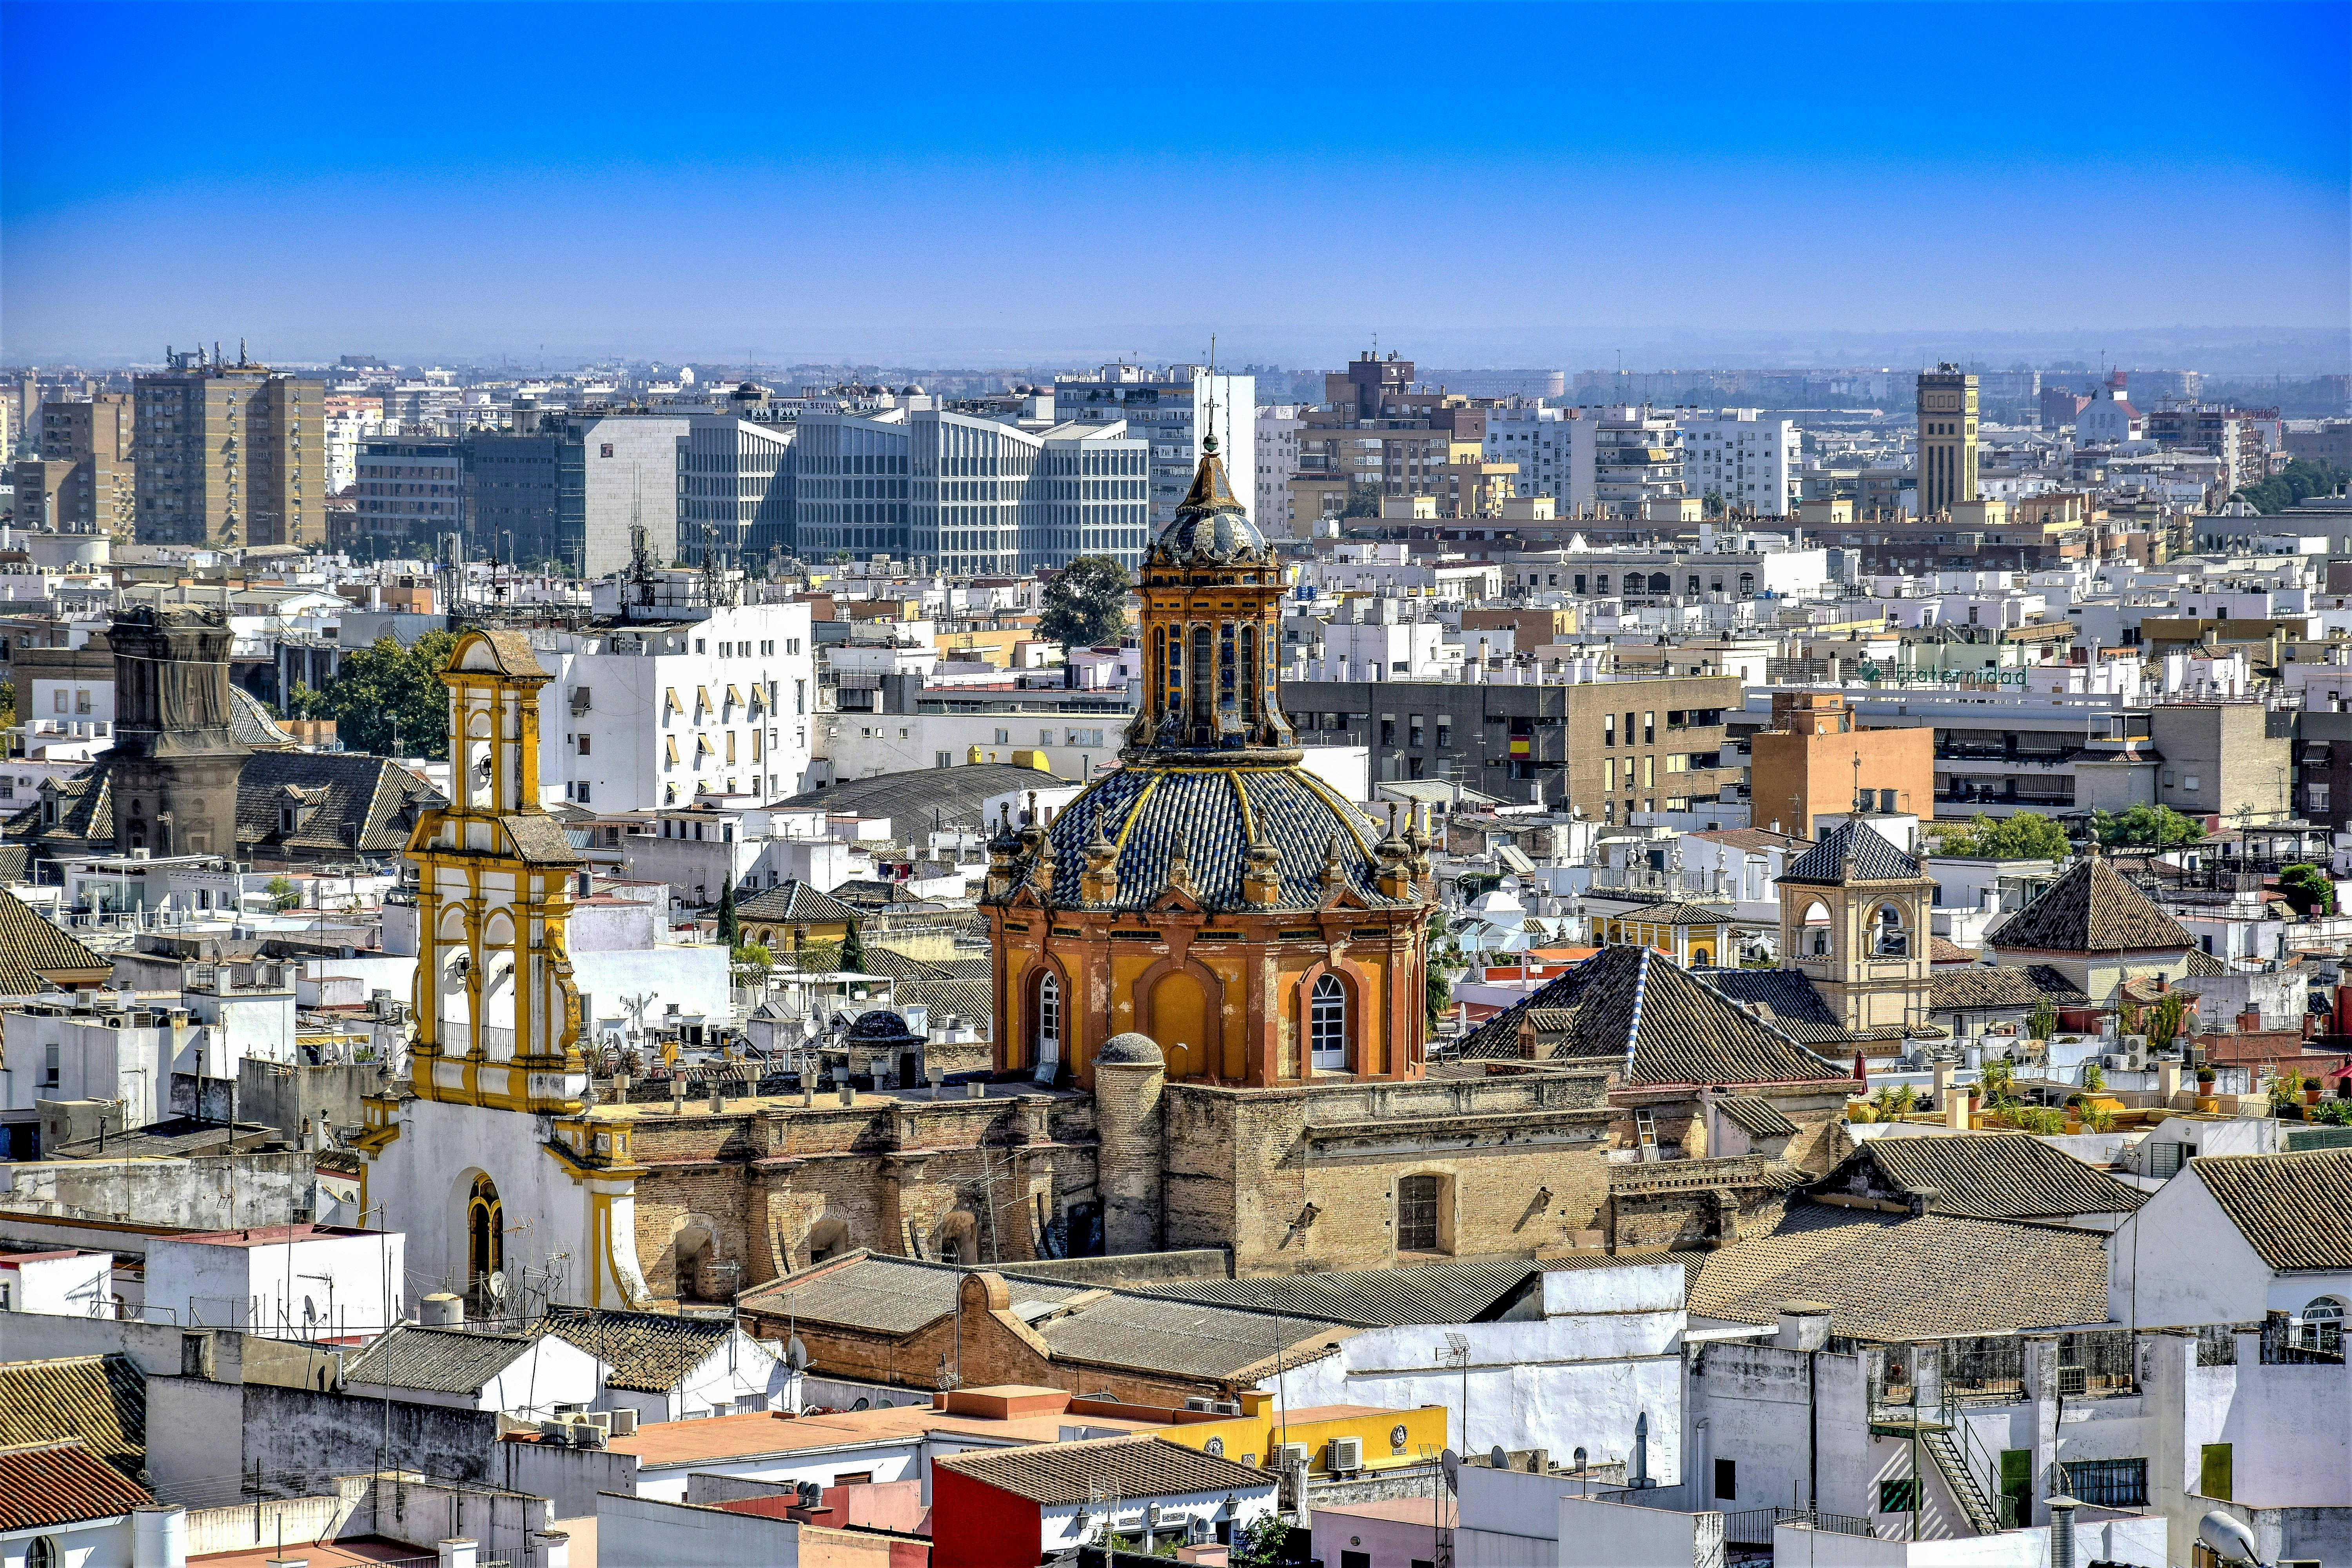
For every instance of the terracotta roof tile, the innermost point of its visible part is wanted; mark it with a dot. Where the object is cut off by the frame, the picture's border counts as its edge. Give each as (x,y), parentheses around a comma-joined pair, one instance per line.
(1059,1473)
(30,948)
(99,1401)
(2295,1210)
(62,1483)
(1852,852)
(2091,909)
(1986,1175)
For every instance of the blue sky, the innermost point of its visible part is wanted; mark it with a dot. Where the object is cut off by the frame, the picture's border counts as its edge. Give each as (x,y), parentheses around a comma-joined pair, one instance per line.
(811,181)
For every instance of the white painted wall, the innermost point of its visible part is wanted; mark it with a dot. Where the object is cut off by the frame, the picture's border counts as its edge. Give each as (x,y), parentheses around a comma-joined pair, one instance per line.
(1608,1350)
(97,1544)
(2181,1262)
(648,1533)
(1597,1535)
(73,1284)
(314,1286)
(1063,1528)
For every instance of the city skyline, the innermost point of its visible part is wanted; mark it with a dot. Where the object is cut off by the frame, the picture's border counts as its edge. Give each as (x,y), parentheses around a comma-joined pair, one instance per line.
(1119,188)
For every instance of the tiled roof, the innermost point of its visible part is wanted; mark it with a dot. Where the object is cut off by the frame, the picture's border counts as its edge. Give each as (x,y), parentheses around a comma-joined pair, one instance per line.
(2203,965)
(898,1296)
(2091,909)
(648,1351)
(510,652)
(1901,1277)
(794,901)
(1053,1473)
(1852,852)
(1636,1006)
(1213,813)
(2295,1210)
(30,948)
(1373,1298)
(2060,991)
(1795,1008)
(98,1401)
(1756,1116)
(879,1294)
(1958,990)
(1941,950)
(49,1484)
(914,800)
(350,790)
(443,1360)
(1677,914)
(254,724)
(1988,1175)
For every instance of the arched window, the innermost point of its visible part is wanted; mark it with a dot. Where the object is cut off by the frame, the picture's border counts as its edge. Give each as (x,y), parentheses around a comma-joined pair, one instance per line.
(1816,943)
(1746,584)
(43,1553)
(1047,1034)
(1892,941)
(1326,1026)
(1660,583)
(2322,1328)
(486,1242)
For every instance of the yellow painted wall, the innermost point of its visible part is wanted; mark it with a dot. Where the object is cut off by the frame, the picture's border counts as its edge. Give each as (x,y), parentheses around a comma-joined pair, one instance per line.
(1245,1436)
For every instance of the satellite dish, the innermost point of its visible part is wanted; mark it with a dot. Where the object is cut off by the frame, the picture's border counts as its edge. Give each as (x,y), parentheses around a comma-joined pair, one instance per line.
(796,1355)
(1451,1463)
(497,1284)
(1498,1459)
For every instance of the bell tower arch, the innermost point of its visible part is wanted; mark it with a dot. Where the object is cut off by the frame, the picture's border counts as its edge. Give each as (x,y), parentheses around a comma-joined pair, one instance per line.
(1853,920)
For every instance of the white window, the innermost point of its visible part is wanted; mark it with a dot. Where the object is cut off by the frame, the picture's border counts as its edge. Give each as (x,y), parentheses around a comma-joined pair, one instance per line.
(1326,1024)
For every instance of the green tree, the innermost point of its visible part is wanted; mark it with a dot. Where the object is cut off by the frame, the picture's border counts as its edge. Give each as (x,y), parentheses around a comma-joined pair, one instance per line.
(2094,1077)
(2043,1023)
(1085,603)
(2027,835)
(1363,500)
(2164,1020)
(2145,827)
(282,893)
(751,963)
(1997,1084)
(727,912)
(1437,991)
(2303,477)
(853,950)
(1263,1543)
(387,699)
(2308,890)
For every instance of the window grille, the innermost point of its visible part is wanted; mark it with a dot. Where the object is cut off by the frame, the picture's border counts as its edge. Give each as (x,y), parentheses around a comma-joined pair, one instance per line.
(1417,1214)
(2108,1483)
(1981,1366)
(2095,1363)
(2217,1345)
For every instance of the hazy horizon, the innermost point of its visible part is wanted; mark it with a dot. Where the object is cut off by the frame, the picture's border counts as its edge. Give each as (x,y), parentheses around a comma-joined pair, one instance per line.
(1809,186)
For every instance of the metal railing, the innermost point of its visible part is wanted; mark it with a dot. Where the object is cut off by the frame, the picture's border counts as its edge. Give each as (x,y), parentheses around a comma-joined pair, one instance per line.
(1754,1526)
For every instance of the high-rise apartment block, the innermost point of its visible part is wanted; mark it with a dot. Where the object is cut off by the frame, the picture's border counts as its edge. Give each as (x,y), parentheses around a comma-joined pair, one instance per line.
(1379,436)
(1171,410)
(1278,464)
(230,454)
(1947,439)
(411,490)
(1745,462)
(78,475)
(1622,458)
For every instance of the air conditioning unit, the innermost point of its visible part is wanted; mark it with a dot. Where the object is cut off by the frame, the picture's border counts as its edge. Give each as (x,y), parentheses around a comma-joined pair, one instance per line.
(1346,1455)
(625,1423)
(1286,1456)
(1197,1403)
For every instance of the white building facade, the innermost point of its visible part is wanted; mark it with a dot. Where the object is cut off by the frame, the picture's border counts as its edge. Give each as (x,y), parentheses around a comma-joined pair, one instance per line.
(1171,410)
(1746,461)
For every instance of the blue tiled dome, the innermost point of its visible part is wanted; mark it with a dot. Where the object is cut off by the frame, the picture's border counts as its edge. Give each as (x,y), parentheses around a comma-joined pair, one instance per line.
(1210,813)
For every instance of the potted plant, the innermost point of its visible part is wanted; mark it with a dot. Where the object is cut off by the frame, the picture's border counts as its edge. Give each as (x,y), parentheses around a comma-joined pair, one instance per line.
(2206,1099)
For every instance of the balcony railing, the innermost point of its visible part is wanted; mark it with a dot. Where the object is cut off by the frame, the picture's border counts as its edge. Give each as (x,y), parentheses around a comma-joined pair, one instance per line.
(1754,1526)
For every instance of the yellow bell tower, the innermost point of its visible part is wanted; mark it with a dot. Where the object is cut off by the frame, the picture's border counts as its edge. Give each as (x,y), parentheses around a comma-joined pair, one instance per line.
(497,1017)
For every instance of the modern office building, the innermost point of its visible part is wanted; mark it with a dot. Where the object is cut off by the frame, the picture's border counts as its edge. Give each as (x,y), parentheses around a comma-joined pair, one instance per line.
(614,471)
(735,483)
(410,492)
(975,494)
(1169,409)
(1947,439)
(229,454)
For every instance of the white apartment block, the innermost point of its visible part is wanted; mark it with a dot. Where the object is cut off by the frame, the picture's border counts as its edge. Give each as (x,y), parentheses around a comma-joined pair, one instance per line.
(1276,460)
(656,713)
(1070,745)
(1537,440)
(973,494)
(1748,462)
(1169,410)
(1379,639)
(734,487)
(346,428)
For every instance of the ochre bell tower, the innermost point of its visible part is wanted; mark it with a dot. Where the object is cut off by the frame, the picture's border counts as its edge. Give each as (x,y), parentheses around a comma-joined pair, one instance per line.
(1853,919)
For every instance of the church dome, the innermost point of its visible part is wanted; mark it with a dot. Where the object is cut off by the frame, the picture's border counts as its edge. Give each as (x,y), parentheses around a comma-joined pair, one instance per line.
(1210,527)
(1204,830)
